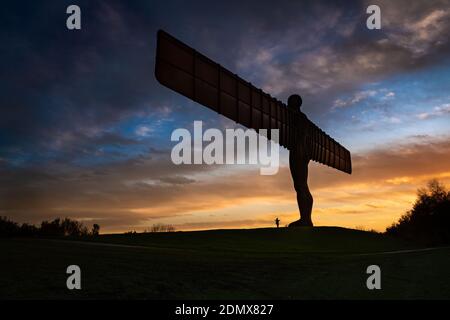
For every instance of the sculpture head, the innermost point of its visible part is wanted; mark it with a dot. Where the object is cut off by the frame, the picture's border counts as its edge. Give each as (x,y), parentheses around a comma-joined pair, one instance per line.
(294,102)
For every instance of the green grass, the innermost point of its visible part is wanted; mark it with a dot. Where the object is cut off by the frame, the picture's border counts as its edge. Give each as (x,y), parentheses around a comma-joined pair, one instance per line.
(306,263)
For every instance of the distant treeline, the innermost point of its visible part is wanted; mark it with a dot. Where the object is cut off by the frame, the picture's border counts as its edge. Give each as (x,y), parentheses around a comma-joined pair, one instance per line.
(428,221)
(159,227)
(55,228)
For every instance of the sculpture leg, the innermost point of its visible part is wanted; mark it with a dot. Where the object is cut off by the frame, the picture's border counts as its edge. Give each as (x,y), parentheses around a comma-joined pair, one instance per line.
(299,171)
(305,203)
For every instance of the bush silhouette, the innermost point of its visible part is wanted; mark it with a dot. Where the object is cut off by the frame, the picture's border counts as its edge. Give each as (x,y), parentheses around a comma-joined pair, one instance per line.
(429,219)
(159,227)
(8,228)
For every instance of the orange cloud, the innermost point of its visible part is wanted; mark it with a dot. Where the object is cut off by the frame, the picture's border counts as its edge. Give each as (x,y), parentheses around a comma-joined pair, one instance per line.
(135,195)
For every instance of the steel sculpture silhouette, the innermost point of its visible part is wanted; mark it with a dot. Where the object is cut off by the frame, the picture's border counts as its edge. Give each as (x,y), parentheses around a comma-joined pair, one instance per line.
(188,72)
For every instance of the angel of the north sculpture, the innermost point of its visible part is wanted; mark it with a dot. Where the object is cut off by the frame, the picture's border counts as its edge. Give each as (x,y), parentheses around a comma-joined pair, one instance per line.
(188,72)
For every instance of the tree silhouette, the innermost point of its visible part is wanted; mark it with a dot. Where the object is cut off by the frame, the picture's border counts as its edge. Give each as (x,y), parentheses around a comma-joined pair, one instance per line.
(55,228)
(159,227)
(95,229)
(429,219)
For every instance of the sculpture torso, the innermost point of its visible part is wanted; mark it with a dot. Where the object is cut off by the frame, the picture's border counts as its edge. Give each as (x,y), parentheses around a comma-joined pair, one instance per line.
(301,146)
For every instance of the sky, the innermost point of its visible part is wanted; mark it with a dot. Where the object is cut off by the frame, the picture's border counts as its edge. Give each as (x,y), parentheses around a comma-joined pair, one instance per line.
(85,127)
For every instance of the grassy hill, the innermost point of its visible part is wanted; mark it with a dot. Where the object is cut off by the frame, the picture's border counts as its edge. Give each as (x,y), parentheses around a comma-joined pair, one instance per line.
(306,263)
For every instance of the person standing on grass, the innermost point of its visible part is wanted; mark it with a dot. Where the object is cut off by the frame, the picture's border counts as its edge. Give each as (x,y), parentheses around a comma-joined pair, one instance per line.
(277,222)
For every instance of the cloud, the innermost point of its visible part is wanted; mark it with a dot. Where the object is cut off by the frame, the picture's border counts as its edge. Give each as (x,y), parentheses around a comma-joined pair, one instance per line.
(419,28)
(89,79)
(357,97)
(103,74)
(292,60)
(232,224)
(144,131)
(437,111)
(76,105)
(119,191)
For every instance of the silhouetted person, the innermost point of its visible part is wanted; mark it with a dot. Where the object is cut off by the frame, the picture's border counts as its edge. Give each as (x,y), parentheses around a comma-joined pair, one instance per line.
(299,157)
(277,222)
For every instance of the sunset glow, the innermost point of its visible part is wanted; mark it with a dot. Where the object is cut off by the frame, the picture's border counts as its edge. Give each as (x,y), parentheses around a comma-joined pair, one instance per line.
(89,137)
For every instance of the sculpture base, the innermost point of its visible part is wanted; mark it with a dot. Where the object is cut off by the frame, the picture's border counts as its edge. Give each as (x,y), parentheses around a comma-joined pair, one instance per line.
(300,223)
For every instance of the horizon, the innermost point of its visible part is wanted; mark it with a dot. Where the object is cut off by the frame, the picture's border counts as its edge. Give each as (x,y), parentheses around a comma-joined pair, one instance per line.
(89,137)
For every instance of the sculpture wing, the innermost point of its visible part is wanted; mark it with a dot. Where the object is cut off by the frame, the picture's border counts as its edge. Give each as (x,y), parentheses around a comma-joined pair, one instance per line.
(188,72)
